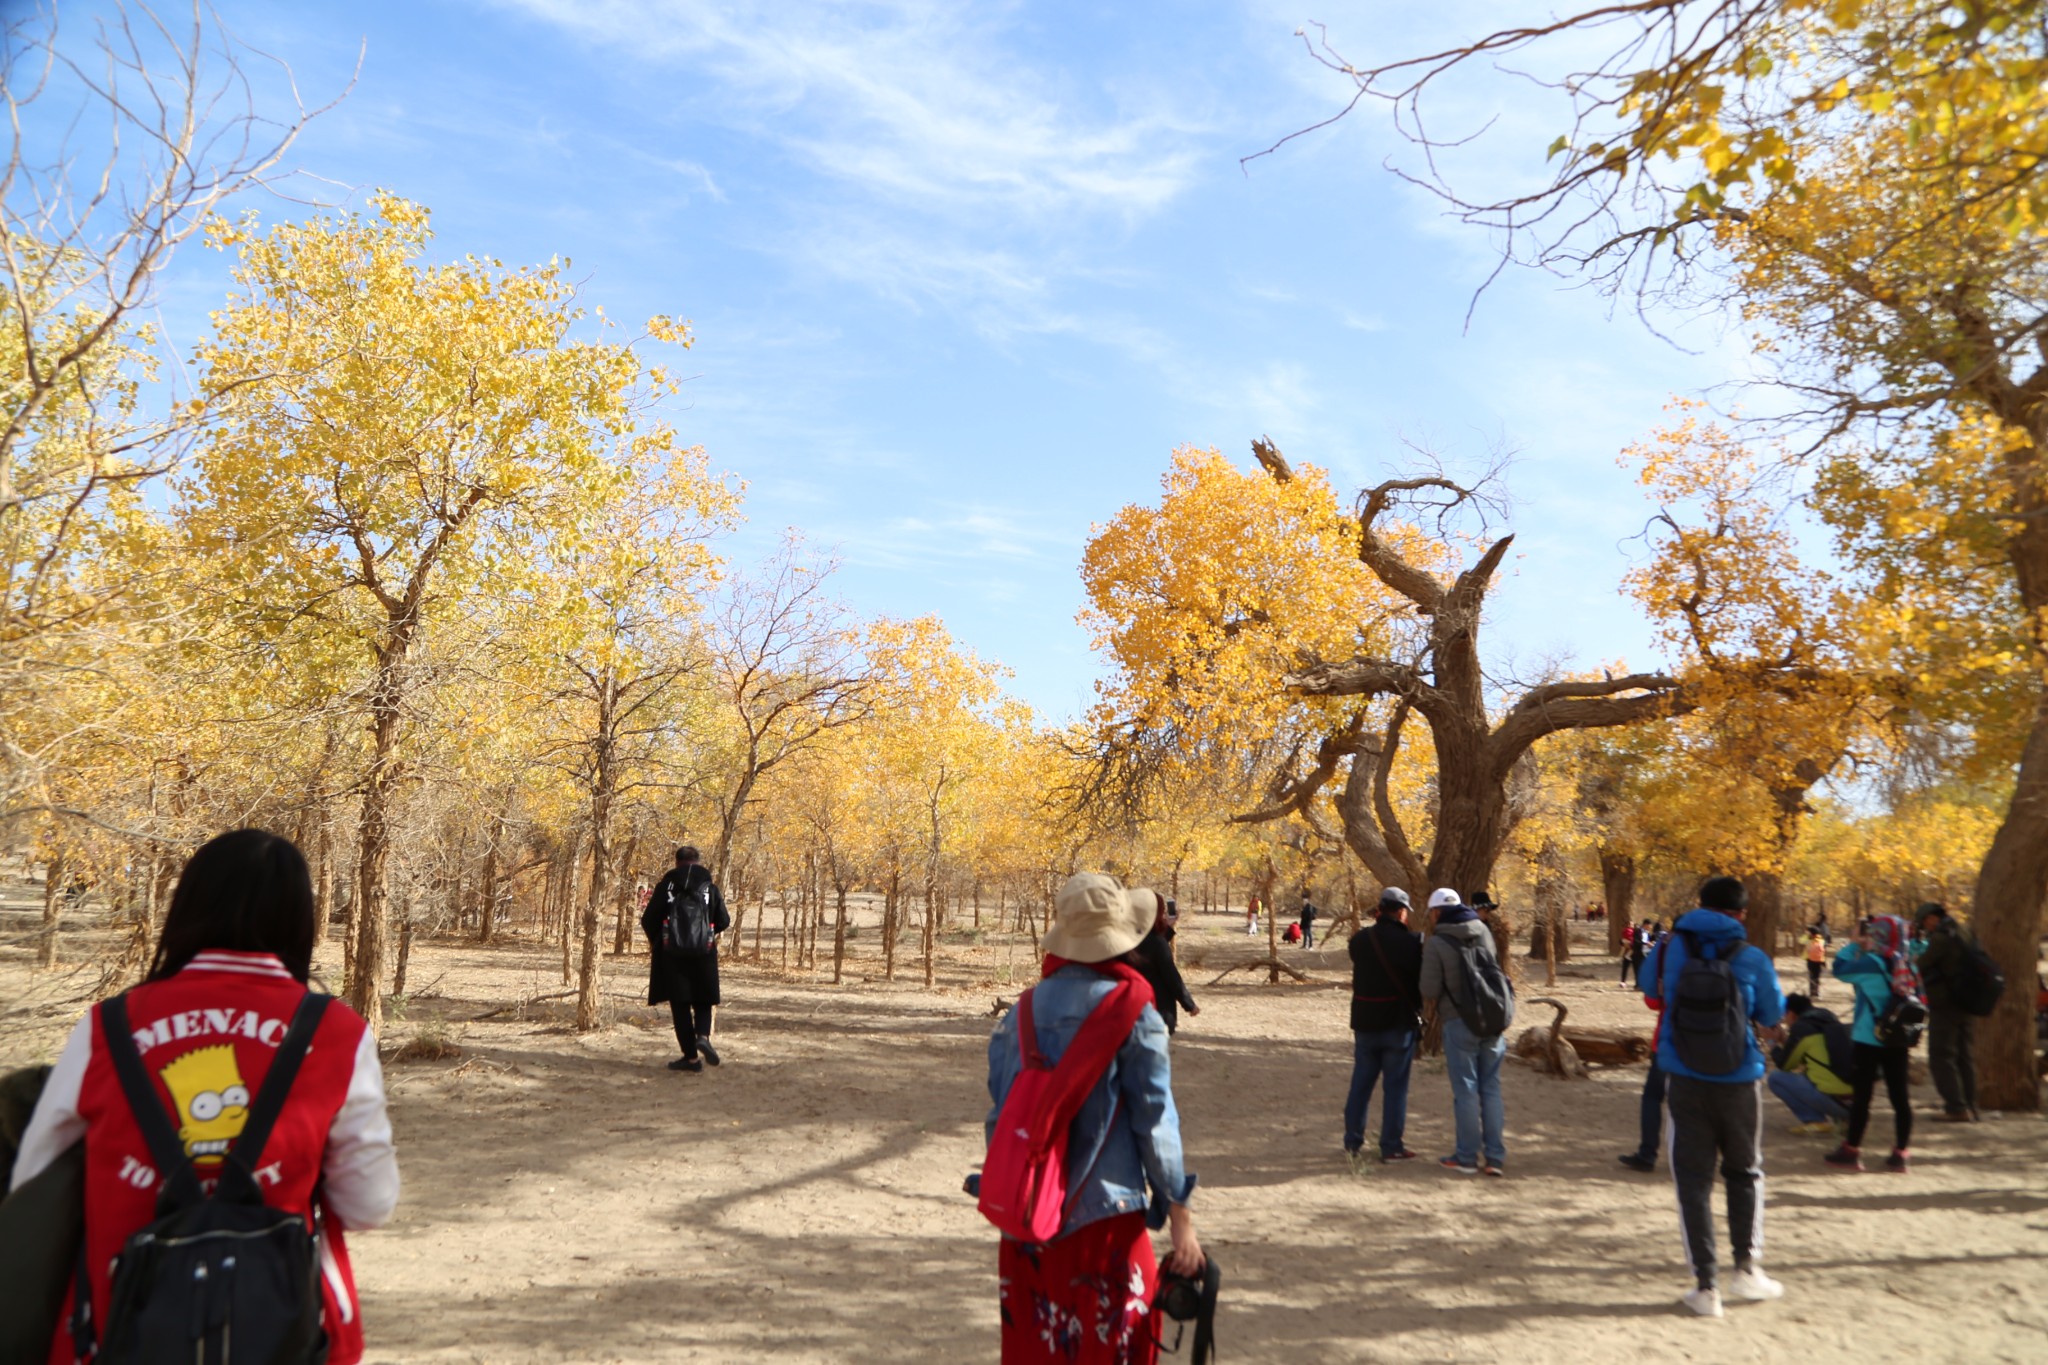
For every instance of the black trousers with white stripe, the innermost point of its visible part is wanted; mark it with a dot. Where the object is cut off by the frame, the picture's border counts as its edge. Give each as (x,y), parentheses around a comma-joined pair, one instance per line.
(1706,1122)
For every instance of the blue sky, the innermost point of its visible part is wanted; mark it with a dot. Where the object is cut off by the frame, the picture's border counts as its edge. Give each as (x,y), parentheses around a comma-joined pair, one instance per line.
(963,275)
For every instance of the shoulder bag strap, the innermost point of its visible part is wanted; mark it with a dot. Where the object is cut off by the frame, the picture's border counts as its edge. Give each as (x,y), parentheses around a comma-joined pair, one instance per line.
(179,1183)
(1027,1032)
(247,1148)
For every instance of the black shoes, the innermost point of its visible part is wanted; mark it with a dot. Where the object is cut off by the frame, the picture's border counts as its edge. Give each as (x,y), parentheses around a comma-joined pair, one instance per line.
(1636,1161)
(686,1064)
(710,1052)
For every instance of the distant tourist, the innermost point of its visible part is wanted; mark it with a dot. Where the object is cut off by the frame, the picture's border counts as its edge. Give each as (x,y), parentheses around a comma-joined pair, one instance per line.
(1085,1293)
(1155,959)
(1814,1064)
(1307,921)
(1386,1000)
(1251,917)
(223,1013)
(1459,966)
(1879,970)
(1713,985)
(682,921)
(1816,961)
(1632,954)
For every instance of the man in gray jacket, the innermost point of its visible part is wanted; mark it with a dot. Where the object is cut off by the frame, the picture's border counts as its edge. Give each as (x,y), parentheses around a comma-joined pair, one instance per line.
(1471,1058)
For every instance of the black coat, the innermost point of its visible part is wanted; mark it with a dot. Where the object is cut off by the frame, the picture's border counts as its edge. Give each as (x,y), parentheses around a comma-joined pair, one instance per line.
(1156,965)
(1382,1001)
(686,980)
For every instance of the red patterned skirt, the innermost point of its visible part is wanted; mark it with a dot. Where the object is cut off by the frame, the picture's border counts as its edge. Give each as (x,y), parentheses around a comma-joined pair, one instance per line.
(1086,1297)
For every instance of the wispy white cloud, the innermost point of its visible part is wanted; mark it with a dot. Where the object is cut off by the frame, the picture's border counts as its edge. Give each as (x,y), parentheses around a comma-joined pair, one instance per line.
(921,102)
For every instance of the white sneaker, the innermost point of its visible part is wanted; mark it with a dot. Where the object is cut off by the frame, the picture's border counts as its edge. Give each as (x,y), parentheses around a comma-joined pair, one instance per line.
(1750,1282)
(1705,1302)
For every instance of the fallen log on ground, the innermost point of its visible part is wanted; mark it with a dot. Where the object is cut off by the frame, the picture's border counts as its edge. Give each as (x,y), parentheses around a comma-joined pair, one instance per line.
(1562,1051)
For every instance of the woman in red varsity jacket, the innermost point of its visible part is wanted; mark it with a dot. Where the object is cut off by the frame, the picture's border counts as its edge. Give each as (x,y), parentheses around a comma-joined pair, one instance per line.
(229,971)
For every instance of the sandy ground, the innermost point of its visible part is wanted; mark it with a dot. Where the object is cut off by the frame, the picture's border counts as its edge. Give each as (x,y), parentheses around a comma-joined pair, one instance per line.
(569,1199)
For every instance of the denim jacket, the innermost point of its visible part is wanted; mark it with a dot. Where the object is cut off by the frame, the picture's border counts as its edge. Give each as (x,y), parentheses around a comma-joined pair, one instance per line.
(1127,1134)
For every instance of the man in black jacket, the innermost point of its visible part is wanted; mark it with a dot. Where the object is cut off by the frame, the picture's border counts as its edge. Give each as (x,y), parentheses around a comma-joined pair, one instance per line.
(1155,963)
(1386,1000)
(1951,1046)
(687,981)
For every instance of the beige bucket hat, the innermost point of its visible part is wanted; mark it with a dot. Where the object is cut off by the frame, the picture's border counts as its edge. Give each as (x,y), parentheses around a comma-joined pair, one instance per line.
(1094,919)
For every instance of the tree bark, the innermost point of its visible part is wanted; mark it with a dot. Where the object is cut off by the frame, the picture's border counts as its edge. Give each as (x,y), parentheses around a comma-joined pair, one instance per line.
(622,932)
(404,957)
(1766,910)
(2007,910)
(839,934)
(323,882)
(604,775)
(891,903)
(1618,884)
(372,896)
(53,909)
(487,895)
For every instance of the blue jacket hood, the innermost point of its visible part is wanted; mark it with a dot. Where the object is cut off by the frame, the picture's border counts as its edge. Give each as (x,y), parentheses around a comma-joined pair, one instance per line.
(1711,926)
(1757,975)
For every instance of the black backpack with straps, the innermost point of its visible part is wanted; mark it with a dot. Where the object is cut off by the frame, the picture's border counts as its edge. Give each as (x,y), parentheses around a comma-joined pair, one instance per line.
(1706,1015)
(217,1277)
(686,932)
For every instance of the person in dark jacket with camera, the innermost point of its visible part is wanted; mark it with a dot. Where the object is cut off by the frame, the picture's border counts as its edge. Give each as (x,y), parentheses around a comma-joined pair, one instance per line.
(688,982)
(1951,1046)
(1386,1023)
(1154,957)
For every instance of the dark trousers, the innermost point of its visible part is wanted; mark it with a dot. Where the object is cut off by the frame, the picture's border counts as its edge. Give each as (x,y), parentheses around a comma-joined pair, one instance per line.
(1813,979)
(692,1022)
(1308,935)
(1652,1111)
(1630,964)
(1863,1073)
(1708,1120)
(1379,1056)
(1951,1060)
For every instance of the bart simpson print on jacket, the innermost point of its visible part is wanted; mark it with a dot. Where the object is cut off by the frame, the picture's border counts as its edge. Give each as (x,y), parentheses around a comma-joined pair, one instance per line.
(212,1101)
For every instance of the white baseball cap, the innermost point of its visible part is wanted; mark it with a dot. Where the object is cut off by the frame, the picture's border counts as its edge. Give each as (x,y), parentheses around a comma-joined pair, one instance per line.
(1442,897)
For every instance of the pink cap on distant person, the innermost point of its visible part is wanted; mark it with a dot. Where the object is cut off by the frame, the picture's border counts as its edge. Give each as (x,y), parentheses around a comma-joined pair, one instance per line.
(1442,897)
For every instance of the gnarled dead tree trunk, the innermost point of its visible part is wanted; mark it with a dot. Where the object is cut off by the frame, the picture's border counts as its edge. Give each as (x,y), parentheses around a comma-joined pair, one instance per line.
(1443,684)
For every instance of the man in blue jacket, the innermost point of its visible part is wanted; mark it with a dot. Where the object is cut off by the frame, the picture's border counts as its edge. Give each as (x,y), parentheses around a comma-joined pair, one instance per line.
(1712,987)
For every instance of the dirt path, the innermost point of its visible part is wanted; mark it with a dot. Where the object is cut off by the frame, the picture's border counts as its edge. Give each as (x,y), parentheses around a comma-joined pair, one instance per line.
(569,1199)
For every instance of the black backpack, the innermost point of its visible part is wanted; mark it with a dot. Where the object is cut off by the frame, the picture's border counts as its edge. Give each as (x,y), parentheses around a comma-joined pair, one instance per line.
(1902,1022)
(1488,1005)
(1976,984)
(687,930)
(218,1273)
(1709,1023)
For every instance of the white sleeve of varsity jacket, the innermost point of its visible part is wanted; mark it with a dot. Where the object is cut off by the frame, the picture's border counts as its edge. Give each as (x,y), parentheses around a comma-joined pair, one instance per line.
(361,1170)
(56,1124)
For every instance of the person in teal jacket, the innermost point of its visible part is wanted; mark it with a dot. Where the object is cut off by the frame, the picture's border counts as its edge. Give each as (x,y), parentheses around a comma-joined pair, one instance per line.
(1878,968)
(1717,1117)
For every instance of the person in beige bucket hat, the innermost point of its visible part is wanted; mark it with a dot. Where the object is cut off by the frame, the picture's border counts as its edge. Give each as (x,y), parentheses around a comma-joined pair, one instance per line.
(1096,919)
(1127,1178)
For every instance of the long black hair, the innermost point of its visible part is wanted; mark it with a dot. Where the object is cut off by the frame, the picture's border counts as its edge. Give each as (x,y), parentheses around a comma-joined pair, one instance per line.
(246,891)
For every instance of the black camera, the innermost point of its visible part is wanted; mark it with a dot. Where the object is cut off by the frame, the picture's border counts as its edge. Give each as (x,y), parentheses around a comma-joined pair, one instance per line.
(1191,1298)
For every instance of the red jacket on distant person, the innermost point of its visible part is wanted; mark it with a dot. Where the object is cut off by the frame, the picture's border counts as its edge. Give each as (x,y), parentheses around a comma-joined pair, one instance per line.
(207,1035)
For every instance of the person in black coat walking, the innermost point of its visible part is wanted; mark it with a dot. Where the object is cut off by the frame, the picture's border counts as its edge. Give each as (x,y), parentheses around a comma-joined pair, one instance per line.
(1155,963)
(1386,1001)
(687,982)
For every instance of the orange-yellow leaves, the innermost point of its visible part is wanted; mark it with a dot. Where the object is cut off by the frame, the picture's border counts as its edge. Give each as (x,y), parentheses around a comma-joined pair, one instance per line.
(1204,601)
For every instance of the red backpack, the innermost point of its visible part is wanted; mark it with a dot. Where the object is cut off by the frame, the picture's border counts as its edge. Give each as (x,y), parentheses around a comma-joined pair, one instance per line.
(1024,1179)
